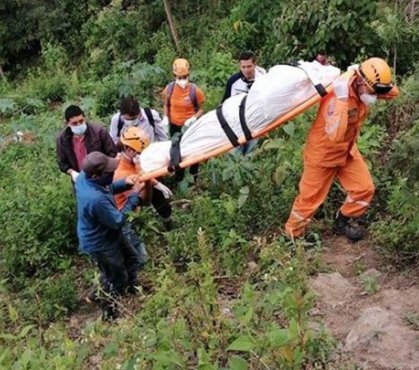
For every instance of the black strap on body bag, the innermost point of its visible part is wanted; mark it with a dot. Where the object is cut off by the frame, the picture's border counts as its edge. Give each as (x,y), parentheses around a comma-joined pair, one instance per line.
(175,156)
(242,117)
(225,126)
(321,90)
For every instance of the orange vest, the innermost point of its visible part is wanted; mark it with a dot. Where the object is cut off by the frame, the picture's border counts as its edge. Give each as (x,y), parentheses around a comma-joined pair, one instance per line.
(181,105)
(332,138)
(124,169)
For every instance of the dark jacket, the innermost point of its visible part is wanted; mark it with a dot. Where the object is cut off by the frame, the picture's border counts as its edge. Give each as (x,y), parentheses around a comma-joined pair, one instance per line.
(98,220)
(96,139)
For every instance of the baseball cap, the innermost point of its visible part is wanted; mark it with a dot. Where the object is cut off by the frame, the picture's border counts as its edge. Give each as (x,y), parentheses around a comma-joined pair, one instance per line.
(97,162)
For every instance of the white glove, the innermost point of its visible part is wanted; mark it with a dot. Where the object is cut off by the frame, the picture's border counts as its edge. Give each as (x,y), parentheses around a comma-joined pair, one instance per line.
(341,88)
(165,121)
(167,193)
(74,175)
(190,121)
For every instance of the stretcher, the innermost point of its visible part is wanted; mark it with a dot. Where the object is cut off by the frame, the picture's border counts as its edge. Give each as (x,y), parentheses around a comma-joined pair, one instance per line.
(206,139)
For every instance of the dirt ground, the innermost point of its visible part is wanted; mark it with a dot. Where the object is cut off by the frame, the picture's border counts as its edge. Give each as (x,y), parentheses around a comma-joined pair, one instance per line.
(370,307)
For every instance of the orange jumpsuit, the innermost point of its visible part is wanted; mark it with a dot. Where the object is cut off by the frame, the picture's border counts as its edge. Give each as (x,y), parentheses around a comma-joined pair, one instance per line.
(331,152)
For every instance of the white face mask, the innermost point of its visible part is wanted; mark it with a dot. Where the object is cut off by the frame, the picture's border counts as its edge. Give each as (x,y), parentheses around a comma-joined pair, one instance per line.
(182,82)
(80,129)
(130,122)
(368,99)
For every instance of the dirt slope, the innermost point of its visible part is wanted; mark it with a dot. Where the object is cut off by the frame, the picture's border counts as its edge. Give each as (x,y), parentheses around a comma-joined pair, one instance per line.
(370,307)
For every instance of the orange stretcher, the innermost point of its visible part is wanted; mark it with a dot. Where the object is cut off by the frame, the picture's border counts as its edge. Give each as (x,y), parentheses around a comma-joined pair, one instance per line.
(164,171)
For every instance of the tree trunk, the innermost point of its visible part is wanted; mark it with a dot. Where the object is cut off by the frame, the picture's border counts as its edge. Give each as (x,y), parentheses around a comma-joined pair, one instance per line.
(172,26)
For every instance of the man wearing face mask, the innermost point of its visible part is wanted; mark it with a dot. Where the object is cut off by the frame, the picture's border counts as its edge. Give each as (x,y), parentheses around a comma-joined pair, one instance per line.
(134,141)
(149,123)
(78,139)
(131,115)
(183,102)
(331,150)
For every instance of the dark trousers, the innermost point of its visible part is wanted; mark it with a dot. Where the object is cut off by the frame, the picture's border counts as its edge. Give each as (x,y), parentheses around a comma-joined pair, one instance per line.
(134,252)
(161,204)
(119,265)
(194,169)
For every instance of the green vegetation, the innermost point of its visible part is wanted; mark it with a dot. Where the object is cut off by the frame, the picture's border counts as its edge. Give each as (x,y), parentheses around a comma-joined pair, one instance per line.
(229,292)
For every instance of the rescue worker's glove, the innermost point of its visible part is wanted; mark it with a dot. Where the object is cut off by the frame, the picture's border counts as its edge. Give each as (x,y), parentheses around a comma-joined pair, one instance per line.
(341,88)
(74,175)
(190,121)
(167,193)
(165,121)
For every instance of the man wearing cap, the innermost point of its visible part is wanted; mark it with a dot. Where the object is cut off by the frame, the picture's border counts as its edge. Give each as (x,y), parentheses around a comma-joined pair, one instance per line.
(99,224)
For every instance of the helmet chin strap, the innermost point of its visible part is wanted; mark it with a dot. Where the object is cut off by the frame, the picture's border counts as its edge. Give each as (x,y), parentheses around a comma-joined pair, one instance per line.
(126,156)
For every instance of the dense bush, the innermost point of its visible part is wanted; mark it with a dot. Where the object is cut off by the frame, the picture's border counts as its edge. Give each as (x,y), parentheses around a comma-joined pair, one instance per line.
(37,209)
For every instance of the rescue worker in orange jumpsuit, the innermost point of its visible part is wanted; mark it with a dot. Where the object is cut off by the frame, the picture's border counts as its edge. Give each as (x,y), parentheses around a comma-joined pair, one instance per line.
(331,151)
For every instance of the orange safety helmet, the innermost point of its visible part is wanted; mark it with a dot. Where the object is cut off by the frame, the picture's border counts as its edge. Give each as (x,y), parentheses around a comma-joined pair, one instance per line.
(135,138)
(180,67)
(377,75)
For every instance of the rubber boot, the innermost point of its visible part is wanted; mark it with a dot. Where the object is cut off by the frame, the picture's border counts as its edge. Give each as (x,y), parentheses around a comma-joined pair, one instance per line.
(348,227)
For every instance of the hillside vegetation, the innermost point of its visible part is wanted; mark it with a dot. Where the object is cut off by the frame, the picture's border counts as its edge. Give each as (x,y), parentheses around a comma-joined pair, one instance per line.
(225,288)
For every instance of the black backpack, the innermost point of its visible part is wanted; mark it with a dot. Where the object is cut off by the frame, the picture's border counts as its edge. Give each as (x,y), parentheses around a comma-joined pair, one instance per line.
(150,118)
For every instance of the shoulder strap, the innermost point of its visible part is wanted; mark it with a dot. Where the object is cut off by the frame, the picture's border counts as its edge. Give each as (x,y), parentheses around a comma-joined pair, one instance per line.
(169,93)
(225,126)
(150,117)
(120,124)
(194,99)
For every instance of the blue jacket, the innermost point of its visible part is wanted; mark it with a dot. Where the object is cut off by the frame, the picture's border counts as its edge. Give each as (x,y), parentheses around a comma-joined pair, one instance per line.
(98,220)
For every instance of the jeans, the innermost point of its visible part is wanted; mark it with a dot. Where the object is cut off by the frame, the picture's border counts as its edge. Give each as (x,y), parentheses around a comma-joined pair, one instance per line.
(246,148)
(134,252)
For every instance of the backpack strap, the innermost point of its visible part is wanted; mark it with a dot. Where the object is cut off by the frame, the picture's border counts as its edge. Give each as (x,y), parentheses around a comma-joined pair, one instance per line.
(242,111)
(192,95)
(169,93)
(226,127)
(120,124)
(150,118)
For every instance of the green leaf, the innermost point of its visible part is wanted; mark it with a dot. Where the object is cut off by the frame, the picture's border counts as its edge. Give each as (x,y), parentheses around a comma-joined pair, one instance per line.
(238,363)
(111,349)
(7,105)
(7,336)
(247,317)
(244,343)
(289,129)
(24,332)
(13,315)
(278,337)
(244,194)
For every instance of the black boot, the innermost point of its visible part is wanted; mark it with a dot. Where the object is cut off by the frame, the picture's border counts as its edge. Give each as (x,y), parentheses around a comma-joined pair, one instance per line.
(348,227)
(168,223)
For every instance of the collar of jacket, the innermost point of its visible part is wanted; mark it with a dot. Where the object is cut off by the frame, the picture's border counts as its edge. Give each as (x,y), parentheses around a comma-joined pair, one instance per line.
(245,79)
